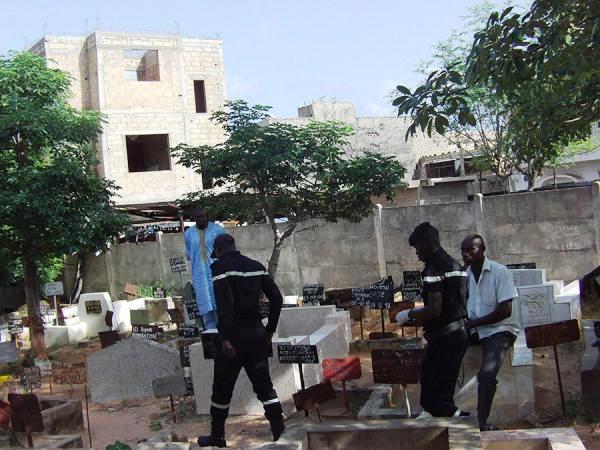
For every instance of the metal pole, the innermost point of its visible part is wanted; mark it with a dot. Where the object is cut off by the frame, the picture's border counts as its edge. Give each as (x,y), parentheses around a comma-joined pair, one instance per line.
(560,388)
(55,311)
(361,324)
(87,413)
(173,409)
(345,394)
(302,384)
(382,322)
(408,411)
(181,279)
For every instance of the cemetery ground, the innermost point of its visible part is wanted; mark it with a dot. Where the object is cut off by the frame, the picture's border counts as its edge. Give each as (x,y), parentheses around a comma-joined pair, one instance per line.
(132,421)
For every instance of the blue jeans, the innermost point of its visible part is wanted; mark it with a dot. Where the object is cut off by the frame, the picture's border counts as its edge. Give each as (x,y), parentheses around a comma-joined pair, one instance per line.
(210,320)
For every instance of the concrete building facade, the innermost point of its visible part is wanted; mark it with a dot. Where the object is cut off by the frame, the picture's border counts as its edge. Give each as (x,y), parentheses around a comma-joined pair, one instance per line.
(155,91)
(382,135)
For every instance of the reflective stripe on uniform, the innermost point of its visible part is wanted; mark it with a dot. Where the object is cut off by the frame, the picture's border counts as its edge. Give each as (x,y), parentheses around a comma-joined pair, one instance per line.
(270,402)
(431,279)
(240,274)
(216,405)
(457,273)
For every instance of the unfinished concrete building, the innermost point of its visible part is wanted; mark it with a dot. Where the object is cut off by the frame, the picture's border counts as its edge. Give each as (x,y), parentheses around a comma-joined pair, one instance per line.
(155,91)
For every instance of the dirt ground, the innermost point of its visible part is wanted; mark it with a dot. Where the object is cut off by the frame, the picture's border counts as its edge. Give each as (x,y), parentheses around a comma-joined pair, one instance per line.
(136,420)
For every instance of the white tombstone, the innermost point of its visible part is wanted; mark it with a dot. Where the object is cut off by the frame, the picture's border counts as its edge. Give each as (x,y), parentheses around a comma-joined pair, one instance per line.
(93,315)
(533,305)
(322,326)
(528,277)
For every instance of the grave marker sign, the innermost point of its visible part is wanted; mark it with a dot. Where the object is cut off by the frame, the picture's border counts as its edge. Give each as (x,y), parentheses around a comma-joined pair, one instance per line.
(93,307)
(15,327)
(151,332)
(397,366)
(313,294)
(31,378)
(297,354)
(177,264)
(189,331)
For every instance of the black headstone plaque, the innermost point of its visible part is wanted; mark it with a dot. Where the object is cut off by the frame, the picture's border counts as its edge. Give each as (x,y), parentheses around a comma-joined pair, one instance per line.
(411,295)
(378,295)
(189,331)
(209,344)
(530,265)
(412,279)
(159,292)
(108,338)
(313,294)
(93,307)
(184,355)
(151,332)
(26,413)
(192,308)
(177,264)
(397,366)
(189,386)
(297,354)
(31,378)
(15,327)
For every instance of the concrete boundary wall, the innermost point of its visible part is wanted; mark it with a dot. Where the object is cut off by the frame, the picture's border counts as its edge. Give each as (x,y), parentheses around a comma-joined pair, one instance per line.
(559,230)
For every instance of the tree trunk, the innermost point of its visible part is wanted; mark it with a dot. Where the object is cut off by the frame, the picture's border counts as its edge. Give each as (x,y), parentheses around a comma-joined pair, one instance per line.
(32,297)
(274,260)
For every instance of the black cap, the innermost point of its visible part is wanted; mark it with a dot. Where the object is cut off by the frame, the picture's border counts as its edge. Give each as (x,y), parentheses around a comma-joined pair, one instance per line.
(222,239)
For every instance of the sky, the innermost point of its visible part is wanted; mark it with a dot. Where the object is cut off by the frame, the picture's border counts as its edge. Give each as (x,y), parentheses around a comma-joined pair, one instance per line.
(280,53)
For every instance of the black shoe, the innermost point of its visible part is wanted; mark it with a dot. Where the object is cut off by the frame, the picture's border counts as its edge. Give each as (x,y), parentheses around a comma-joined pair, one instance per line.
(211,441)
(277,428)
(488,427)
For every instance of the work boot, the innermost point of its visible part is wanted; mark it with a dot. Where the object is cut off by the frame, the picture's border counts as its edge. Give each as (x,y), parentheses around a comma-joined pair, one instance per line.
(212,441)
(277,427)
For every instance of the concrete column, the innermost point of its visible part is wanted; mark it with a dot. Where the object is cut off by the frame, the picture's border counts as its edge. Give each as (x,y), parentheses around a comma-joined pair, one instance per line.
(379,241)
(480,219)
(596,222)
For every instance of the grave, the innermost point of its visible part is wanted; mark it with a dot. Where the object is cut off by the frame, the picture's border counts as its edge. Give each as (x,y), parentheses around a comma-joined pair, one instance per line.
(321,326)
(61,416)
(91,310)
(126,369)
(8,352)
(407,434)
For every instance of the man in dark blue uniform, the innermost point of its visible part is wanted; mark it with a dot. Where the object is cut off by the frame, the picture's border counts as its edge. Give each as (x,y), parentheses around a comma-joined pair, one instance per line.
(243,340)
(443,317)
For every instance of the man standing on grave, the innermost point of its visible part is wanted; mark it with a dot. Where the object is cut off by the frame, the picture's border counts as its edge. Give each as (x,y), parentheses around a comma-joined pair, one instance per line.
(243,340)
(491,290)
(199,244)
(443,317)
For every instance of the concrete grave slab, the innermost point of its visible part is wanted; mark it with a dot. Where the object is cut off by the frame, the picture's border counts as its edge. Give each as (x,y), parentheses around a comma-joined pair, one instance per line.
(126,370)
(540,438)
(528,277)
(93,318)
(514,399)
(170,385)
(8,352)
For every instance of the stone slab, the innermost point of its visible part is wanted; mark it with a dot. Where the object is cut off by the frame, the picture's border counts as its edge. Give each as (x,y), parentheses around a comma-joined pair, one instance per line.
(528,277)
(94,321)
(8,352)
(533,305)
(171,385)
(514,399)
(552,438)
(126,370)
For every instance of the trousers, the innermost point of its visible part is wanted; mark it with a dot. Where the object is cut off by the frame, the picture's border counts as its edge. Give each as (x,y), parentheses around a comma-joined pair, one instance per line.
(493,352)
(439,372)
(251,349)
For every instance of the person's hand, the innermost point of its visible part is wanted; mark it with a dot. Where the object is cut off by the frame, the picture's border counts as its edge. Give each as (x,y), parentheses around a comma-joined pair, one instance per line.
(228,349)
(402,317)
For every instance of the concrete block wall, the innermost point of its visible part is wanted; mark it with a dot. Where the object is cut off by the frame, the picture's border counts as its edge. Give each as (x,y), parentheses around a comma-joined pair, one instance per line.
(559,230)
(167,106)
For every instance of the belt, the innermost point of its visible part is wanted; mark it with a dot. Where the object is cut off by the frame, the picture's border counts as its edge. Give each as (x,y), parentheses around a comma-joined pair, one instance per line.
(445,329)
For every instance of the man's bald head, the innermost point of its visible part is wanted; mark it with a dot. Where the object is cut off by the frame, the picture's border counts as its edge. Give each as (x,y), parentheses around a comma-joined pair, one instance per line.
(472,249)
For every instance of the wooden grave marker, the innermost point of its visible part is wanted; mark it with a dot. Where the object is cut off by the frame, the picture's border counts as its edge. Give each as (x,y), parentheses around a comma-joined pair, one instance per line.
(298,354)
(26,415)
(397,367)
(151,332)
(378,295)
(93,307)
(108,338)
(313,396)
(551,335)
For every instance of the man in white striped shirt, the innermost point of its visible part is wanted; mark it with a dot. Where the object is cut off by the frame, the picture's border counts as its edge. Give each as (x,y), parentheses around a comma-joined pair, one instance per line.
(490,293)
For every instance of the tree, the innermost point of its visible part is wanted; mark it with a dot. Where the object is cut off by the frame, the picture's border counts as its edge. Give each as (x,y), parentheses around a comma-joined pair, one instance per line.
(273,170)
(52,201)
(542,70)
